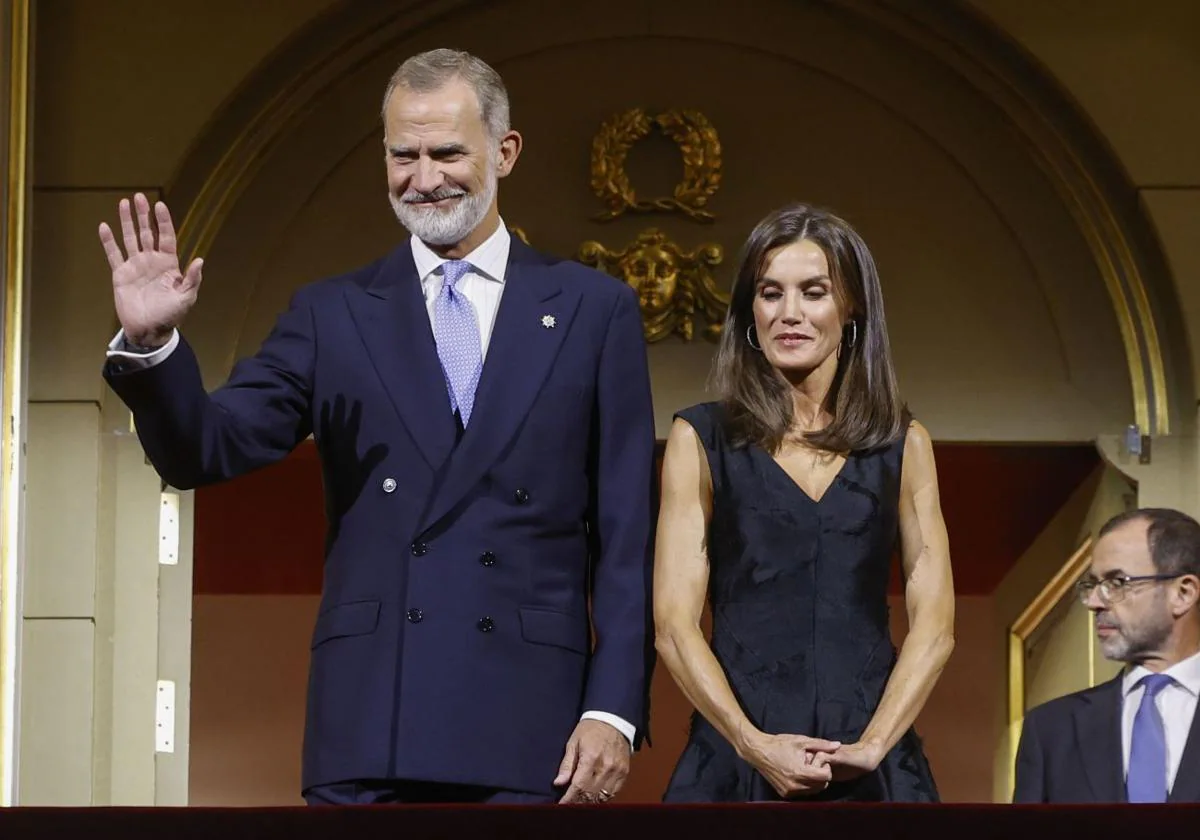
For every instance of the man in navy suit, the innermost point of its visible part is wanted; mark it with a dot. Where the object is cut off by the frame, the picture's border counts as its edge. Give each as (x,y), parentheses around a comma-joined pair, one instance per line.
(1135,738)
(483,417)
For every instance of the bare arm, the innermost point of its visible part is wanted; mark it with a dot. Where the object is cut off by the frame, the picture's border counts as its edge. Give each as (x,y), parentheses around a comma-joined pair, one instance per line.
(680,585)
(929,598)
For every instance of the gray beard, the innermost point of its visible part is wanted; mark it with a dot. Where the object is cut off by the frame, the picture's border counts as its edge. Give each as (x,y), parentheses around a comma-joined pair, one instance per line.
(1132,644)
(444,227)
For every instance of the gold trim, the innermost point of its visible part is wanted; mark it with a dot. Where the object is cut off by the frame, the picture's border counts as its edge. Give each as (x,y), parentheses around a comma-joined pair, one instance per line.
(672,284)
(14,386)
(1029,620)
(697,140)
(1107,241)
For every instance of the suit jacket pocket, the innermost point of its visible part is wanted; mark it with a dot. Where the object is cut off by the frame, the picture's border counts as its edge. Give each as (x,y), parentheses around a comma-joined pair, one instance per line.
(356,618)
(551,627)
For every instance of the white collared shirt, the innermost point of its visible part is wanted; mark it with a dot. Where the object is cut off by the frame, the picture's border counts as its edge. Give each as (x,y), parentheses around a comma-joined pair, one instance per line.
(1176,703)
(482,285)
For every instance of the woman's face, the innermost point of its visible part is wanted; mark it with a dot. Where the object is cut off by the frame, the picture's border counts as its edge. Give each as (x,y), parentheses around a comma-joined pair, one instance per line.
(796,314)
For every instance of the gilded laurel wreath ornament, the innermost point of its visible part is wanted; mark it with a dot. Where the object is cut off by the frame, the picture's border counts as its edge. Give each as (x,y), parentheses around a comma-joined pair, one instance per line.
(697,141)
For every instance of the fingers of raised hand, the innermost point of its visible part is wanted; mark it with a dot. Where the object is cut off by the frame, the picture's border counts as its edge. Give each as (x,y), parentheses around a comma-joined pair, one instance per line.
(139,235)
(128,232)
(166,228)
(111,249)
(145,231)
(191,278)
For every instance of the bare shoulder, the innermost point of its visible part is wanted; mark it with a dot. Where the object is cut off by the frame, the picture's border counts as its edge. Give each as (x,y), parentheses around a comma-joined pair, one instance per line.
(917,437)
(682,441)
(684,461)
(919,465)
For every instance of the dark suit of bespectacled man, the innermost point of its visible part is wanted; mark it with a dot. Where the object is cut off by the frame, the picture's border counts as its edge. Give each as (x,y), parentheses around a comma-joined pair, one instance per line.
(1134,738)
(484,422)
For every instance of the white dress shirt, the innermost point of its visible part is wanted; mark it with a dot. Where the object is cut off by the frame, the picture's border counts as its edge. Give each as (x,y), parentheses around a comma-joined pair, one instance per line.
(1176,703)
(483,286)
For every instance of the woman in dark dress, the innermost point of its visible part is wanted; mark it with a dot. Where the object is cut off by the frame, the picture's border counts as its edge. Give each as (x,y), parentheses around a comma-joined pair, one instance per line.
(782,504)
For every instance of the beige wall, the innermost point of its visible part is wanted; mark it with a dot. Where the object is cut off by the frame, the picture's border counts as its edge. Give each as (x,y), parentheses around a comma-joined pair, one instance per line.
(989,284)
(105,124)
(991,290)
(1132,69)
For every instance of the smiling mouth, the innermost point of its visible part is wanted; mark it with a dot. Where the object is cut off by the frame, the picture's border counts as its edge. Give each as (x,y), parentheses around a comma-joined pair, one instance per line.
(434,202)
(792,338)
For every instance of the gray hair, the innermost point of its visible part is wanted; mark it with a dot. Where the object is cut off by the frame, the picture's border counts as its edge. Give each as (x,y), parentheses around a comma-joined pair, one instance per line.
(429,71)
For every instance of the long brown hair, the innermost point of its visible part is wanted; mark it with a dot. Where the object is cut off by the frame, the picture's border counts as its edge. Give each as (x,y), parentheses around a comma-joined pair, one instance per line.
(864,399)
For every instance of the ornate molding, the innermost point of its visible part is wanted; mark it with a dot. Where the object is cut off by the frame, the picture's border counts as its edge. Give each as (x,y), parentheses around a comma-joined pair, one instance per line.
(674,286)
(697,141)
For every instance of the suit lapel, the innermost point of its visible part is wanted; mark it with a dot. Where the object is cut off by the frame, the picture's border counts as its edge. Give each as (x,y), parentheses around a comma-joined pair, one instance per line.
(394,326)
(534,317)
(1098,730)
(1187,777)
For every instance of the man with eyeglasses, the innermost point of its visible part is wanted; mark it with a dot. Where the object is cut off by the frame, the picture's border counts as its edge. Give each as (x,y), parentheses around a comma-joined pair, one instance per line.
(1133,738)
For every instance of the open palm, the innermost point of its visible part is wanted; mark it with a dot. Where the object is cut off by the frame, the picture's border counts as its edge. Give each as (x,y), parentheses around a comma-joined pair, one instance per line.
(151,293)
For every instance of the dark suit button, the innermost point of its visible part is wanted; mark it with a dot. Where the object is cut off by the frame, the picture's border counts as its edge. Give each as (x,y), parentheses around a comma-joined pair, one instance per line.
(485,625)
(487,558)
(522,495)
(419,548)
(415,615)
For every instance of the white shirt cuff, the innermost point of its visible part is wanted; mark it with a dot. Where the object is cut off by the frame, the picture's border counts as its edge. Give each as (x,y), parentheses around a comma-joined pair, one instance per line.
(620,724)
(119,351)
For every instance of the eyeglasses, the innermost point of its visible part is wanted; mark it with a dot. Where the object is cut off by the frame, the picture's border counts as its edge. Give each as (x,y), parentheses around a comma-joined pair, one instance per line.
(1114,589)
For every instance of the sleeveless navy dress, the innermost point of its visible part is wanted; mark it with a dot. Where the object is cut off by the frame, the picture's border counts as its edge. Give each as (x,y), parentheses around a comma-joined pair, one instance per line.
(798,591)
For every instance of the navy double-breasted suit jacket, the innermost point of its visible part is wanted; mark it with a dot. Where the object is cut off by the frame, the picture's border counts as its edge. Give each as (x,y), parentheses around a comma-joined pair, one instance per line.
(453,641)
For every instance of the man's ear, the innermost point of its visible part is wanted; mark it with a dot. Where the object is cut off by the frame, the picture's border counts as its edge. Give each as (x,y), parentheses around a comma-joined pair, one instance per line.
(1187,595)
(510,149)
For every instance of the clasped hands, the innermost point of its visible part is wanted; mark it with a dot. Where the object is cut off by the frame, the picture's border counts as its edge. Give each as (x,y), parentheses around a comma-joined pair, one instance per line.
(796,765)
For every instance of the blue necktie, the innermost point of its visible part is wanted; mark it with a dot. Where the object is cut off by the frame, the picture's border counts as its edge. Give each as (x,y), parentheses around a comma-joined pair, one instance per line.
(1147,778)
(456,331)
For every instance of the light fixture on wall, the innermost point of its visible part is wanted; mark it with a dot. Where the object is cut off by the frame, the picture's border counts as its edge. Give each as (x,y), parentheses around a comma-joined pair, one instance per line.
(1135,444)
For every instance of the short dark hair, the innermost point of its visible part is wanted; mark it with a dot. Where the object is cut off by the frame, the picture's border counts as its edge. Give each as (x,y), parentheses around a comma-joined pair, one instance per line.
(864,400)
(1173,538)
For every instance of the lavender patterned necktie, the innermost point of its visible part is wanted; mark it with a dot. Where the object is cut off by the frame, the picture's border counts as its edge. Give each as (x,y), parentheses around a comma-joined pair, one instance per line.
(456,331)
(1147,777)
